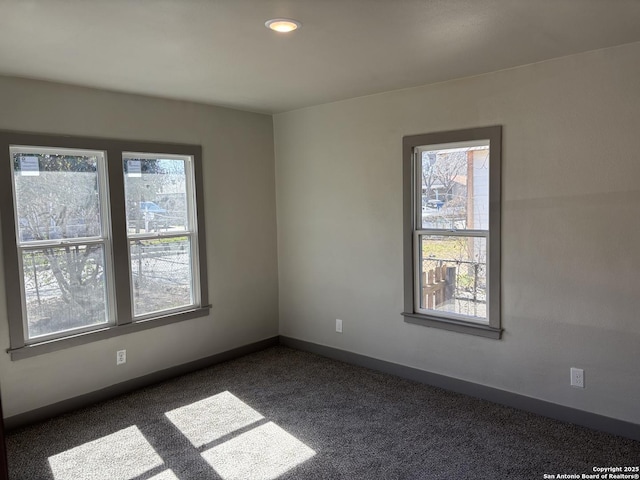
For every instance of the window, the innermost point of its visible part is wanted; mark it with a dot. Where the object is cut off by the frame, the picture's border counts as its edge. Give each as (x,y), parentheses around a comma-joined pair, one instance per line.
(100,238)
(160,230)
(451,188)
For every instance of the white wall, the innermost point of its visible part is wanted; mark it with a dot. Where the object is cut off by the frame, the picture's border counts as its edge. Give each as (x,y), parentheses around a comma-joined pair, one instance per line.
(571,255)
(239,196)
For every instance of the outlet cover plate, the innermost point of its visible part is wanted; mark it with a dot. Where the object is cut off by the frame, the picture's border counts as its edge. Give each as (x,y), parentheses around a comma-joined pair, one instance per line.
(577,377)
(121,357)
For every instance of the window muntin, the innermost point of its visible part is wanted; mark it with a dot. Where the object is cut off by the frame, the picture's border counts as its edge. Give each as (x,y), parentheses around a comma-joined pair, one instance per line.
(61,231)
(452,230)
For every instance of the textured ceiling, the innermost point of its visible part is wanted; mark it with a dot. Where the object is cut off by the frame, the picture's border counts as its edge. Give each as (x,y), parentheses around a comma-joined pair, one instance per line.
(219,52)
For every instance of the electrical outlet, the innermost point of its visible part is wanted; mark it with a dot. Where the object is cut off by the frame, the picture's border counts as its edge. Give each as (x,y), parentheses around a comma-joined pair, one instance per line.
(577,377)
(338,325)
(121,357)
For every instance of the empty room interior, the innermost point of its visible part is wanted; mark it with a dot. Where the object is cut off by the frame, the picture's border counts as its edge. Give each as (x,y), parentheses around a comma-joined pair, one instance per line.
(280,239)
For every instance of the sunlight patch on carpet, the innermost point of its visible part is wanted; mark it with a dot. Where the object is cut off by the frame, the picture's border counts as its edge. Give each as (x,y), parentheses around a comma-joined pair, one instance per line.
(123,455)
(263,453)
(166,475)
(208,420)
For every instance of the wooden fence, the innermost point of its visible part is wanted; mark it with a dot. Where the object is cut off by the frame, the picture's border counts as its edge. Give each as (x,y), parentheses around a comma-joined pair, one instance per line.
(438,286)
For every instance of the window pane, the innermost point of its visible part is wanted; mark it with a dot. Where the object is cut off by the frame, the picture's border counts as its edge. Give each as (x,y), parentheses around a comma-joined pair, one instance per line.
(455,186)
(64,288)
(161,274)
(453,275)
(156,194)
(56,194)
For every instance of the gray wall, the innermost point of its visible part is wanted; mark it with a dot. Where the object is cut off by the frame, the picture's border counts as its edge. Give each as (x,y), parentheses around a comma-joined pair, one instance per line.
(570,245)
(240,215)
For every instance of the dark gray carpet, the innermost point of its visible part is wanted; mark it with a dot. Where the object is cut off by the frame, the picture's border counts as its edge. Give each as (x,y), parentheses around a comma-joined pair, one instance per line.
(287,414)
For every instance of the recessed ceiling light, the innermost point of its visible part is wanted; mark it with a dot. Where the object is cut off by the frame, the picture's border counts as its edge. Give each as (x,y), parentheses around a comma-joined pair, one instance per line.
(282,25)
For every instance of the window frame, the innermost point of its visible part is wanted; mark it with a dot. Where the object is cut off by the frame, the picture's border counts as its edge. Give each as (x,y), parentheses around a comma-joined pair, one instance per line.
(190,233)
(104,239)
(412,230)
(123,321)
